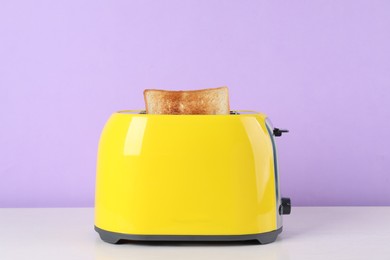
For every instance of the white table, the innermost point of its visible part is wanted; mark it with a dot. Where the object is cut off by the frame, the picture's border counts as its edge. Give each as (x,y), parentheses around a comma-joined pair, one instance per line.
(309,233)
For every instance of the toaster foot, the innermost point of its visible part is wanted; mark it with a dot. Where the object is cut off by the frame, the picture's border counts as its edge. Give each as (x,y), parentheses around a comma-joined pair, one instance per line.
(109,237)
(115,238)
(269,237)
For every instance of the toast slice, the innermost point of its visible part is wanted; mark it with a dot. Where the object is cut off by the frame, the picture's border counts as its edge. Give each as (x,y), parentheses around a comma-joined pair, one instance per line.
(212,101)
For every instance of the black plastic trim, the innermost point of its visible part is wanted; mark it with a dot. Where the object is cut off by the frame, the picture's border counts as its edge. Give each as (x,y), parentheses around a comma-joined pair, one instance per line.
(114,237)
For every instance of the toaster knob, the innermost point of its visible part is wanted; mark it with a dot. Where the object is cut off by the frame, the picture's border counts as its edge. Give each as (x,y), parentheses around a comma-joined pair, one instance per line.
(285,207)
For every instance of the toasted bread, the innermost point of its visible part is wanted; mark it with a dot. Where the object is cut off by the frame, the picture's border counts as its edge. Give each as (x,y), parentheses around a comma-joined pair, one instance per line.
(212,101)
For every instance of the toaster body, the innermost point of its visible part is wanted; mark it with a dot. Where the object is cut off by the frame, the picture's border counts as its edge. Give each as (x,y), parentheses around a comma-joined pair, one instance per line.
(188,177)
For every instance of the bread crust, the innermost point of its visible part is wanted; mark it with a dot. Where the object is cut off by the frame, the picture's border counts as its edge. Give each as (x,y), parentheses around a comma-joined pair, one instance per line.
(211,101)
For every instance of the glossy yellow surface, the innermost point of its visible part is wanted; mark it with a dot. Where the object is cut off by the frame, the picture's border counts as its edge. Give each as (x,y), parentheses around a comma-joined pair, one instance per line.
(185,175)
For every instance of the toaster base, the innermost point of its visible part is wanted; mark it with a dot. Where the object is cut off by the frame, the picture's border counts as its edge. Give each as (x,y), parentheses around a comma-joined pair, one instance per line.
(115,238)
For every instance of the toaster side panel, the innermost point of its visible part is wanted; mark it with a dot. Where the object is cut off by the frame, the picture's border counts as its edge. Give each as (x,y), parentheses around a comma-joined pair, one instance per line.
(185,175)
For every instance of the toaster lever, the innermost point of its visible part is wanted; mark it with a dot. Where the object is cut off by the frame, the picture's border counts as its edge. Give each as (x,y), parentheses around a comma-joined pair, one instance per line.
(278,132)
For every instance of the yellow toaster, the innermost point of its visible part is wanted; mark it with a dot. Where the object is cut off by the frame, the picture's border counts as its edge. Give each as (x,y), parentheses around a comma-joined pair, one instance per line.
(188,178)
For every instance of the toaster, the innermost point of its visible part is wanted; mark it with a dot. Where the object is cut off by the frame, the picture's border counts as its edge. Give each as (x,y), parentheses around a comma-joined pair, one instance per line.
(188,178)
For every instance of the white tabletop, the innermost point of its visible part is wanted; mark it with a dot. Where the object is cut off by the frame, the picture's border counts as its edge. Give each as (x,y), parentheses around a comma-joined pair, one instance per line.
(309,233)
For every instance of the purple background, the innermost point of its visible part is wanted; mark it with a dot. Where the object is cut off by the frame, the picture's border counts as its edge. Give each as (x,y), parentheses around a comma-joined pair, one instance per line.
(318,68)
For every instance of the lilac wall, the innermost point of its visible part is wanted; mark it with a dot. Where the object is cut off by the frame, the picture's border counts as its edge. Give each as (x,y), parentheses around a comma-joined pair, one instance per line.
(319,68)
